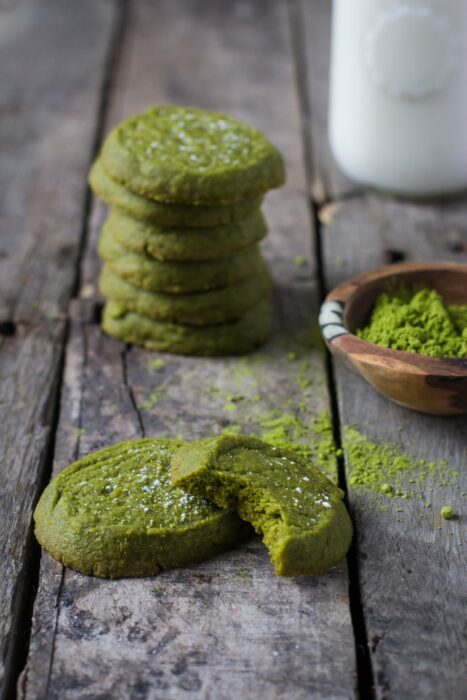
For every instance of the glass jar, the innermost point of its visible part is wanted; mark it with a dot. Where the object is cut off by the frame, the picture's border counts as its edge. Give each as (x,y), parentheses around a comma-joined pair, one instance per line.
(398,94)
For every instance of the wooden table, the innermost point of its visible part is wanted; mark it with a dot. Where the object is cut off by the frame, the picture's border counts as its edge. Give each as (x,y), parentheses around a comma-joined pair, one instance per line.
(389,622)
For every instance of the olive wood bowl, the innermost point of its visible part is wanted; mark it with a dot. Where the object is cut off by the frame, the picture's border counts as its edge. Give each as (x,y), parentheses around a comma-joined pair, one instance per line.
(422,383)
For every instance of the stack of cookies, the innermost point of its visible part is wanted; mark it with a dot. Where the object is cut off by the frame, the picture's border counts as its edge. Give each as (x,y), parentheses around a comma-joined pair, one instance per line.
(182,271)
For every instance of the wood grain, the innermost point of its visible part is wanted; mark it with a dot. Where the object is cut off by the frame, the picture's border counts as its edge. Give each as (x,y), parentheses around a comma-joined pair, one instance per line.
(410,560)
(52,56)
(226,628)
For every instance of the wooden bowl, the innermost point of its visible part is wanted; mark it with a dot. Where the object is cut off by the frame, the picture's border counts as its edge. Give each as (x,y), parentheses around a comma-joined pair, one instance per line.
(416,381)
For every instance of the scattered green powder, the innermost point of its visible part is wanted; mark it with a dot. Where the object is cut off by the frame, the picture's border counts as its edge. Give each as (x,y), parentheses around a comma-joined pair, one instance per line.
(242,573)
(447,512)
(385,469)
(153,399)
(303,377)
(232,429)
(324,451)
(417,320)
(235,398)
(299,260)
(303,382)
(246,370)
(312,440)
(80,432)
(285,430)
(232,401)
(340,262)
(158,364)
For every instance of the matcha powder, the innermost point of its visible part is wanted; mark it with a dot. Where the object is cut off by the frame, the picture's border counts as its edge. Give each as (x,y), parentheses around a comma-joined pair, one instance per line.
(386,470)
(418,321)
(312,440)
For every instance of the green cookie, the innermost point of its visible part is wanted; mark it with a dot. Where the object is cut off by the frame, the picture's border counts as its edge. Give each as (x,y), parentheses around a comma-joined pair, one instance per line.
(216,306)
(185,243)
(184,154)
(178,277)
(115,513)
(166,214)
(299,512)
(232,338)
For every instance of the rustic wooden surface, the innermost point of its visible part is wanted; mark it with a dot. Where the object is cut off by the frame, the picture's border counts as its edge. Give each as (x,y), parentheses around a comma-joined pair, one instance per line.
(226,628)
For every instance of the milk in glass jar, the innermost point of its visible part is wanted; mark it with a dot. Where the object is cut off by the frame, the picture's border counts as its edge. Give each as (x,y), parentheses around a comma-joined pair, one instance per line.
(398,94)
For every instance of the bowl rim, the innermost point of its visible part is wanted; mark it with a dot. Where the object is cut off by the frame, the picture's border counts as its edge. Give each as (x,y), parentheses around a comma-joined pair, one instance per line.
(332,325)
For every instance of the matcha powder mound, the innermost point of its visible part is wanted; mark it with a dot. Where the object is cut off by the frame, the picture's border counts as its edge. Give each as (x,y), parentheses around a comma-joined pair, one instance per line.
(418,321)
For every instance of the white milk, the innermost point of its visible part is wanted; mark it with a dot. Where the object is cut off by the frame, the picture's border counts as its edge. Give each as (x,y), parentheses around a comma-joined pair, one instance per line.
(398,94)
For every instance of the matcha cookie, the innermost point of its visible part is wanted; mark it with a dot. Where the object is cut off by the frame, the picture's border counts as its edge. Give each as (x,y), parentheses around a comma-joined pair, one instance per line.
(297,510)
(215,306)
(115,513)
(184,154)
(232,338)
(209,243)
(166,214)
(177,277)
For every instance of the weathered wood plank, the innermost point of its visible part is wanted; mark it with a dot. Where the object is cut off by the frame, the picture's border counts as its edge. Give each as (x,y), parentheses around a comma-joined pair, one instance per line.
(49,102)
(312,18)
(229,627)
(412,568)
(369,230)
(52,58)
